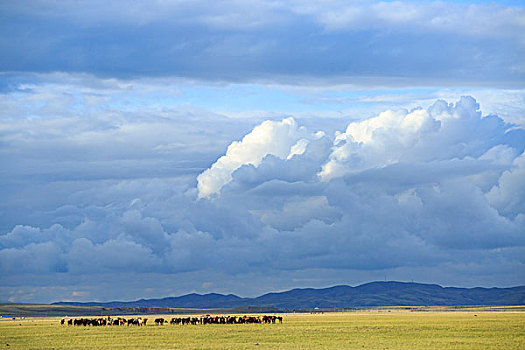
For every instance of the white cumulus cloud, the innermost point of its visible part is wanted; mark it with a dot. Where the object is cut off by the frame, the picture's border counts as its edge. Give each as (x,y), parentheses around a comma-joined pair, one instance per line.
(281,139)
(442,132)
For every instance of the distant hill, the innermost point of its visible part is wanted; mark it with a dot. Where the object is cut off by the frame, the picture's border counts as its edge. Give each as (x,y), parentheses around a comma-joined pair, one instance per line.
(365,295)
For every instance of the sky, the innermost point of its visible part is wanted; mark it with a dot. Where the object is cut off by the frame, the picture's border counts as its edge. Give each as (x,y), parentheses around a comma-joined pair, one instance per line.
(158,148)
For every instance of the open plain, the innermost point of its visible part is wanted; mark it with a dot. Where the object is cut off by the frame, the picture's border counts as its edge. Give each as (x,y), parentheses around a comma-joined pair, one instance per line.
(394,328)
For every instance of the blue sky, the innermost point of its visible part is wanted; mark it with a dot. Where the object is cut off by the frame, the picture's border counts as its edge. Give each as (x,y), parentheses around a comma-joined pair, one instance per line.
(155,148)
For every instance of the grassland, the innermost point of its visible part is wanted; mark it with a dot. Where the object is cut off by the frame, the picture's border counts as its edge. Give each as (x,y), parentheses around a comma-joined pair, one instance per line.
(373,329)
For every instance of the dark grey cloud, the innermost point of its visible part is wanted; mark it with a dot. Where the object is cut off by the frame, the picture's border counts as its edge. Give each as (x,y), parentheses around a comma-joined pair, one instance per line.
(378,43)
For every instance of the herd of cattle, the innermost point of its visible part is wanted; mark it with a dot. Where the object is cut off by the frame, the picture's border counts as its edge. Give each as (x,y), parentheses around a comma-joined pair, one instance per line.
(139,321)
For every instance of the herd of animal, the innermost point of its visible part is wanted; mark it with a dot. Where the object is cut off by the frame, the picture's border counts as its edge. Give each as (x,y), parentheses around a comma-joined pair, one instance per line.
(224,320)
(139,321)
(108,321)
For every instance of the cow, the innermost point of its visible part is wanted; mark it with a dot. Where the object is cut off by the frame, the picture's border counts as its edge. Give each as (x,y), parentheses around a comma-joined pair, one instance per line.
(159,321)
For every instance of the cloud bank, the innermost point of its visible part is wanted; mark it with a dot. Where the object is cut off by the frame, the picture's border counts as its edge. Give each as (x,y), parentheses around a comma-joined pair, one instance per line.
(356,42)
(406,192)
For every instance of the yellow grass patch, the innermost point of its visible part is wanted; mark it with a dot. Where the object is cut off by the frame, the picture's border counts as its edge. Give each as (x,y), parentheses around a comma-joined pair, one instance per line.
(394,328)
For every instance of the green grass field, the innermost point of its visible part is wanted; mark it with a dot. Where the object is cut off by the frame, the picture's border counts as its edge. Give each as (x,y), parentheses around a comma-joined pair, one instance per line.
(385,329)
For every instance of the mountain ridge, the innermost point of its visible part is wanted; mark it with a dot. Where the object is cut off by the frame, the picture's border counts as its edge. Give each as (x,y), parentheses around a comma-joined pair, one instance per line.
(391,293)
